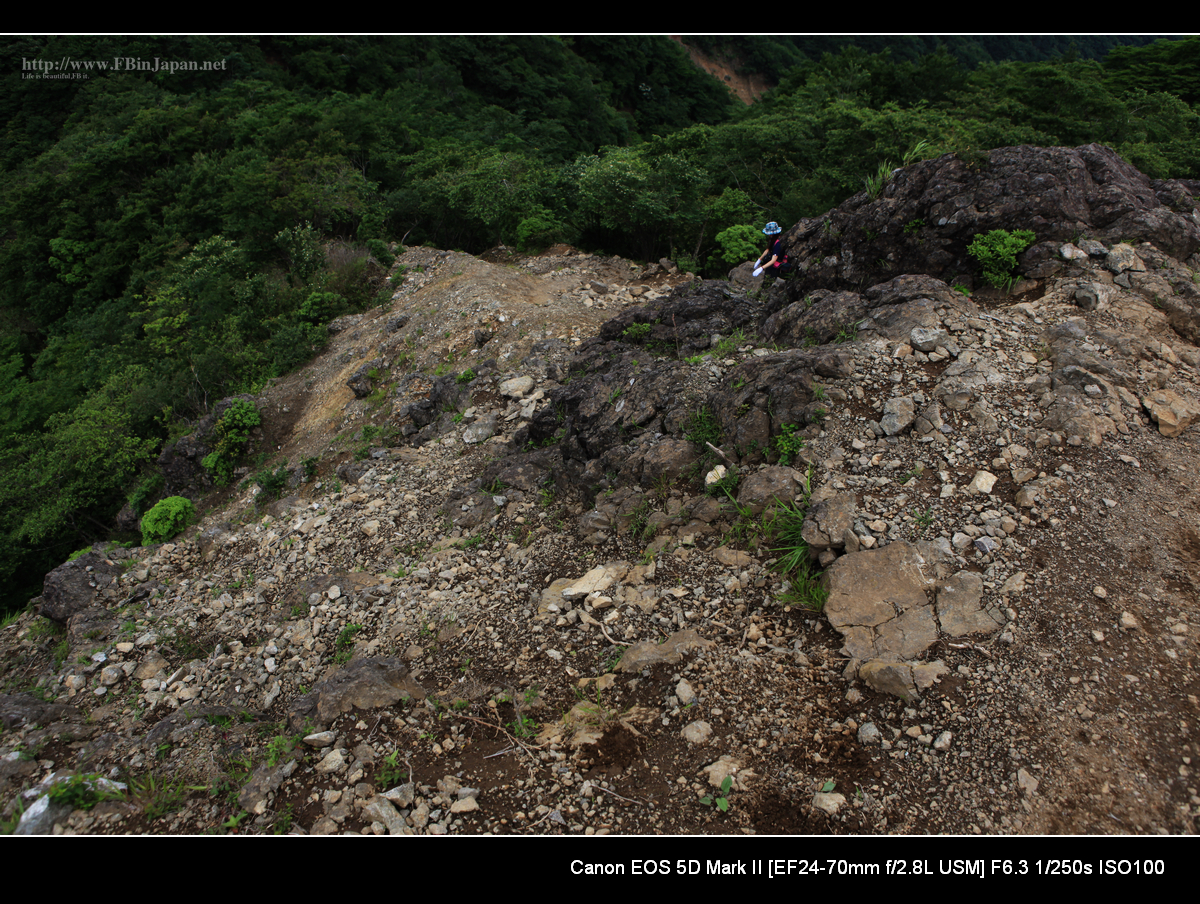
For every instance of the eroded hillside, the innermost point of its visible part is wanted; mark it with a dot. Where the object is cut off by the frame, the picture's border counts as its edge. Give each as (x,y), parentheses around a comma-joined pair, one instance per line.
(502,596)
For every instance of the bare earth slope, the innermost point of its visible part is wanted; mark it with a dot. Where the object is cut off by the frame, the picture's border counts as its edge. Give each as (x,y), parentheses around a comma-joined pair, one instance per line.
(433,637)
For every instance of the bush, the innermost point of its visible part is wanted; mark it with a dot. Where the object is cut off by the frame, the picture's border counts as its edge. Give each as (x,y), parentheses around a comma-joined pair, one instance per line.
(167,519)
(272,482)
(379,251)
(321,307)
(997,253)
(736,244)
(144,492)
(230,434)
(539,230)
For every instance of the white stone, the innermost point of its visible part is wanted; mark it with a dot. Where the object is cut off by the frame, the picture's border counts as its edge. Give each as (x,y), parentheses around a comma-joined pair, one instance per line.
(982,482)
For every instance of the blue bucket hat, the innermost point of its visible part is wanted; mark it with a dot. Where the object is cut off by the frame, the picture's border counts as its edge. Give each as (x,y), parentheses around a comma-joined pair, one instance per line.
(772,228)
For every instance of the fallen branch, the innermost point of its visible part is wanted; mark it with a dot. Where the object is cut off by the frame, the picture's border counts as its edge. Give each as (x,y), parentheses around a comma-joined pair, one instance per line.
(718,451)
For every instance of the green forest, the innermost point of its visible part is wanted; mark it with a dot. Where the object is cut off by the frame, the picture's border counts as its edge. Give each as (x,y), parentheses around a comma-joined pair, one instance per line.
(173,236)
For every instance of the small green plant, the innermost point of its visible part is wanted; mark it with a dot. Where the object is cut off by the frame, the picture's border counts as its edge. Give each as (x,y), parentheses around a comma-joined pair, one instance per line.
(877,182)
(818,392)
(916,152)
(344,645)
(158,797)
(82,792)
(390,774)
(962,290)
(637,331)
(788,444)
(272,482)
(923,519)
(702,427)
(721,801)
(614,659)
(465,377)
(795,561)
(729,345)
(727,485)
(310,468)
(524,727)
(166,519)
(997,253)
(847,332)
(279,748)
(639,519)
(913,226)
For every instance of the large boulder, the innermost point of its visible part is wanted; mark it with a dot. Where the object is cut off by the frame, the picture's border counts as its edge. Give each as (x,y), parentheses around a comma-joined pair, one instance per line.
(73,586)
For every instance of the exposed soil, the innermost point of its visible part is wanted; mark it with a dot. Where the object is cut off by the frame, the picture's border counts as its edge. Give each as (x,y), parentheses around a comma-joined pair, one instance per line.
(1082,718)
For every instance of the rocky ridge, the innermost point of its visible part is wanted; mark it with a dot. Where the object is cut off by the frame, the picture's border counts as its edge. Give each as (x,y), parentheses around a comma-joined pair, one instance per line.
(513,607)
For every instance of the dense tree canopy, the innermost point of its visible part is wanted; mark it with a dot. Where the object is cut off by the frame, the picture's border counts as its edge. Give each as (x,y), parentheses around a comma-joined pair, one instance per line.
(165,231)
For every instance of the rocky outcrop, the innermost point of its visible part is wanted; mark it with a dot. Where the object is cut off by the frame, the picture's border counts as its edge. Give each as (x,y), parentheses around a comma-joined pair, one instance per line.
(363,684)
(181,462)
(73,586)
(929,212)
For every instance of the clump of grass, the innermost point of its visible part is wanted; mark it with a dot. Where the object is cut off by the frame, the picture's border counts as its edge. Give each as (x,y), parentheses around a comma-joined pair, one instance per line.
(795,560)
(702,427)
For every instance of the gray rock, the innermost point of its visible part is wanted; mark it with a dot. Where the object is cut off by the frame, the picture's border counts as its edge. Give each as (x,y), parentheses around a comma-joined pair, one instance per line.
(366,683)
(41,816)
(362,383)
(868,733)
(766,489)
(927,340)
(672,650)
(379,809)
(898,415)
(684,692)
(73,586)
(959,606)
(480,431)
(828,522)
(877,601)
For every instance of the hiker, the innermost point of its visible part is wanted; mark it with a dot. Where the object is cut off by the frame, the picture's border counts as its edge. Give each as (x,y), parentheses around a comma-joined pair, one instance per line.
(778,261)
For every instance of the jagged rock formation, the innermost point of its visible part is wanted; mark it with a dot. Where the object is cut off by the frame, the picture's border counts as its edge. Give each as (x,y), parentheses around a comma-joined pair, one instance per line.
(929,212)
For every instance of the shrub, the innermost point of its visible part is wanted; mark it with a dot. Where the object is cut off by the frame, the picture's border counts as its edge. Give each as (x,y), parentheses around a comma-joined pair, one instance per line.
(272,482)
(540,230)
(997,253)
(230,434)
(736,244)
(144,491)
(167,519)
(379,251)
(321,307)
